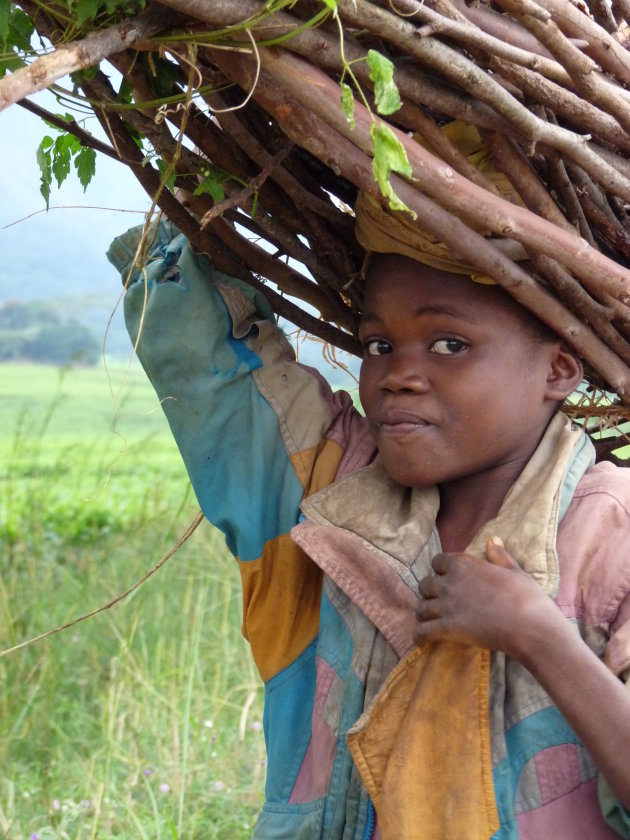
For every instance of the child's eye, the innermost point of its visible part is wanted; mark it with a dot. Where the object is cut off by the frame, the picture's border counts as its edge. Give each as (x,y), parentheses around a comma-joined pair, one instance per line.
(376,347)
(448,346)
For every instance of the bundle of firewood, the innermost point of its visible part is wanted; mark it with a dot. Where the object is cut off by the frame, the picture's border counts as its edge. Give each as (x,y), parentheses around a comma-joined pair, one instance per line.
(255,126)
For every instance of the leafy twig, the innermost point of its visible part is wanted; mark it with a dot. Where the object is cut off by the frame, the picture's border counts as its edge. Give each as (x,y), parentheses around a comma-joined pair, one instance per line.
(71,126)
(79,55)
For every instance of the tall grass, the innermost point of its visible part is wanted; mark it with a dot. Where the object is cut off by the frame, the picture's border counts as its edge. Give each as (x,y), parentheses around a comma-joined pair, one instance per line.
(143,722)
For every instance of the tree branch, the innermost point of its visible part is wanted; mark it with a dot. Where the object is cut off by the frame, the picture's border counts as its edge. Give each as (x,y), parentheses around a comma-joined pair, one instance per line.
(447,187)
(343,156)
(581,68)
(71,126)
(81,54)
(611,56)
(579,112)
(472,36)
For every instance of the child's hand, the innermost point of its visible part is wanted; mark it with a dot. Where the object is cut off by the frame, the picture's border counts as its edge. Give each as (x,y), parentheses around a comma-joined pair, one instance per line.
(490,603)
(496,605)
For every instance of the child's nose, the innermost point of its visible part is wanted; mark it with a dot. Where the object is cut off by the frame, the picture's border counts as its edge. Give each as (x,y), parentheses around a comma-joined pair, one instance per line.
(404,373)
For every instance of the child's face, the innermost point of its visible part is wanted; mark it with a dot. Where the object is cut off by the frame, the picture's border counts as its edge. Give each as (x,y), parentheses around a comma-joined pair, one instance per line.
(454,381)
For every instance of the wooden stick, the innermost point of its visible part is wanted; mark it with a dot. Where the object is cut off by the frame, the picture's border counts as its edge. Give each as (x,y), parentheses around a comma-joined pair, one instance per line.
(81,54)
(327,144)
(452,191)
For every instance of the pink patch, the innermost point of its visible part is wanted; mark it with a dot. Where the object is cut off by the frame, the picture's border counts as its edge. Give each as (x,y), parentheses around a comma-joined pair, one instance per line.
(558,771)
(575,815)
(594,578)
(313,779)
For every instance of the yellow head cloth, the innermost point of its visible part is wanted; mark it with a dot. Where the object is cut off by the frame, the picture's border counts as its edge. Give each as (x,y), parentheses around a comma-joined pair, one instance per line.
(379,231)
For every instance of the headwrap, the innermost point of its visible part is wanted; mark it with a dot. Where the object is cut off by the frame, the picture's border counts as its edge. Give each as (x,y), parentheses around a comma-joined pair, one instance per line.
(382,232)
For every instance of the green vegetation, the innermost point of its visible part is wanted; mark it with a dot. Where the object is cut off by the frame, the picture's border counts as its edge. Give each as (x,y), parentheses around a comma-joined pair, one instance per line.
(144,721)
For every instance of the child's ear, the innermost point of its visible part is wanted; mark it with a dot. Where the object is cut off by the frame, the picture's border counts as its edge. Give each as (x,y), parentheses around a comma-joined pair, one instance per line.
(565,371)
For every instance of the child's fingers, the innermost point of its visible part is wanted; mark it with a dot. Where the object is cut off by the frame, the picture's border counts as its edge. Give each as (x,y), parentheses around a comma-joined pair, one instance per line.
(497,554)
(428,610)
(428,631)
(427,588)
(441,563)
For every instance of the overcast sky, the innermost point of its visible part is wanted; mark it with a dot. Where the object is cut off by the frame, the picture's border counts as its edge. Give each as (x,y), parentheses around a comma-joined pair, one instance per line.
(66,246)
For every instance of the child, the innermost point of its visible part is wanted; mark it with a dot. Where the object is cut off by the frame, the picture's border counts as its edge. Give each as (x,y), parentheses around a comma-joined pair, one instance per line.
(461,516)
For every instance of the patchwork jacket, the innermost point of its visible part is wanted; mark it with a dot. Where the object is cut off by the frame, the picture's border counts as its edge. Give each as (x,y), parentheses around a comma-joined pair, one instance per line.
(441,741)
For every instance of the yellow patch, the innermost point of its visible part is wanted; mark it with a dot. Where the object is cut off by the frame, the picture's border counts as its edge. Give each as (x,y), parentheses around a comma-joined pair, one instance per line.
(281,598)
(316,467)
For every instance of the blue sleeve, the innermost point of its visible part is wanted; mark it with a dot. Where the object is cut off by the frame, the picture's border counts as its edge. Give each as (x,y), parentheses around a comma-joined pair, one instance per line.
(241,410)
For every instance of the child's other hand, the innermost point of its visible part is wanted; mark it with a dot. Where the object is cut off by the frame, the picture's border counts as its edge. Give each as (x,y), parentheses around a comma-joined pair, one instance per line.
(490,603)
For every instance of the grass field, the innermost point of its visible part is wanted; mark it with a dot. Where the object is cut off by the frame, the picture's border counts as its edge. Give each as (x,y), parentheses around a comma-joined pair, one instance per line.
(144,721)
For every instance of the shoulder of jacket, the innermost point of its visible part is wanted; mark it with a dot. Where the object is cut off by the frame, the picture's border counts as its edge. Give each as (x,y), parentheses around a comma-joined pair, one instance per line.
(606,479)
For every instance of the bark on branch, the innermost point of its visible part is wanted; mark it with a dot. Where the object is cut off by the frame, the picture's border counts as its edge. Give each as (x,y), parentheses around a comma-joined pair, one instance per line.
(78,55)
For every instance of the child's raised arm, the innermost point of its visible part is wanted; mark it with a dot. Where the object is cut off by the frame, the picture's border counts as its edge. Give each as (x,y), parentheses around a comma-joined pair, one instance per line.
(244,415)
(256,430)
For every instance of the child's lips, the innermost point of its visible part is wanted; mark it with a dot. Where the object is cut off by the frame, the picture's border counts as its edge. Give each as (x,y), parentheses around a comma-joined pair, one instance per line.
(401,423)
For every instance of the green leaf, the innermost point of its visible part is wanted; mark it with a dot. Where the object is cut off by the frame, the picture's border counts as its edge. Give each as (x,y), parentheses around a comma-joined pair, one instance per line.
(51,125)
(12,63)
(85,164)
(87,10)
(43,161)
(85,75)
(213,186)
(389,156)
(61,162)
(21,28)
(4,21)
(16,29)
(385,91)
(125,92)
(46,143)
(137,138)
(347,103)
(163,169)
(166,74)
(331,4)
(67,142)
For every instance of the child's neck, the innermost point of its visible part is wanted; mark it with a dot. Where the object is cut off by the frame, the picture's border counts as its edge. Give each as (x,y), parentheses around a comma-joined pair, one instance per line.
(465,507)
(456,535)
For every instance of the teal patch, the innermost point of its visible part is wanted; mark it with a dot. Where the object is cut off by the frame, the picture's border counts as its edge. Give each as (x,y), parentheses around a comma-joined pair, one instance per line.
(290,822)
(288,715)
(582,459)
(613,811)
(539,731)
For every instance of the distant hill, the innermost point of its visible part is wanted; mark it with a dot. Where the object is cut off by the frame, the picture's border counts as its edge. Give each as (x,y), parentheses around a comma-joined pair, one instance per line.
(93,318)
(35,332)
(51,329)
(102,315)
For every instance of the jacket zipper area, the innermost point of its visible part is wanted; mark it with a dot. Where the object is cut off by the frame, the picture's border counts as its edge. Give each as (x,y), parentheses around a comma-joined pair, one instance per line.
(370,823)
